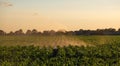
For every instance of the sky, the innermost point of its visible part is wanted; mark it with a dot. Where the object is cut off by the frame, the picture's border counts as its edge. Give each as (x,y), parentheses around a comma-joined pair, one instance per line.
(59,14)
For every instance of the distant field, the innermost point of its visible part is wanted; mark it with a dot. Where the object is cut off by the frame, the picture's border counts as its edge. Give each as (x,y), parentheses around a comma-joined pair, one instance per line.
(57,40)
(105,53)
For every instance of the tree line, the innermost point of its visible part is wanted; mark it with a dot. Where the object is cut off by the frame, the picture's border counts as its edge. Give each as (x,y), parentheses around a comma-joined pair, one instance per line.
(108,31)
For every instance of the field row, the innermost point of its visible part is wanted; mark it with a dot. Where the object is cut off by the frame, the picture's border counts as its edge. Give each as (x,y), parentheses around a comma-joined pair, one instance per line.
(57,40)
(103,55)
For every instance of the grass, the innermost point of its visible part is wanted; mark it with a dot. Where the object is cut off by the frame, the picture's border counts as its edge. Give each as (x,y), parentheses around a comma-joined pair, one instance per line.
(57,40)
(103,55)
(107,39)
(31,52)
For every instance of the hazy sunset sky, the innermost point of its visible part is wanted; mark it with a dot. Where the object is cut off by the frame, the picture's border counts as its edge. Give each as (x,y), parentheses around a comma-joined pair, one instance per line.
(59,14)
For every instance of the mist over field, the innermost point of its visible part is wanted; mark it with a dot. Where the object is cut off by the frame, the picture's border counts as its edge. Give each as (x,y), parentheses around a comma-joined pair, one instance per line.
(59,32)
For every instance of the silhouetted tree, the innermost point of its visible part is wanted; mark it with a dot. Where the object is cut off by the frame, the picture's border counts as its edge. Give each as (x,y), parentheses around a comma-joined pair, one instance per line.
(34,32)
(99,31)
(39,33)
(60,32)
(45,32)
(19,32)
(69,33)
(2,32)
(11,33)
(52,32)
(80,32)
(108,31)
(119,30)
(28,32)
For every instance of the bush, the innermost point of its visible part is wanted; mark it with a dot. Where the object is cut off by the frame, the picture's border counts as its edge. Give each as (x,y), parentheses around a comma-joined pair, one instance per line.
(102,55)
